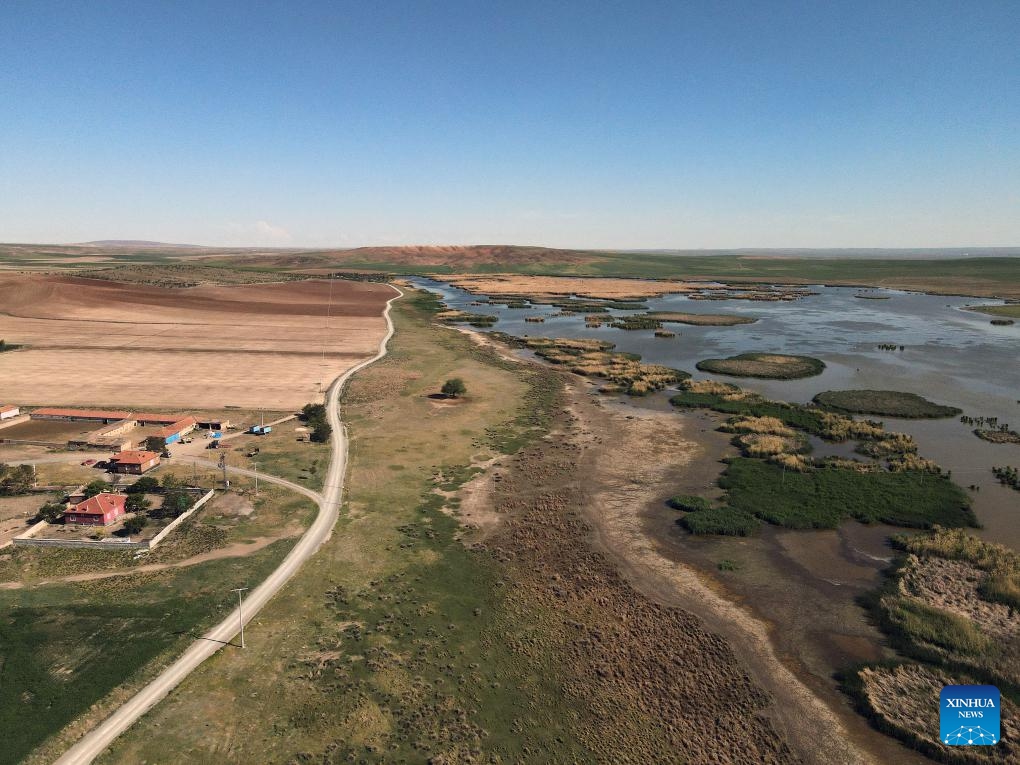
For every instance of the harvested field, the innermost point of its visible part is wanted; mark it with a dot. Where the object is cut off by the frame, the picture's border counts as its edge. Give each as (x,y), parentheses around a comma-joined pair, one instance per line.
(93,342)
(702,319)
(773,366)
(545,287)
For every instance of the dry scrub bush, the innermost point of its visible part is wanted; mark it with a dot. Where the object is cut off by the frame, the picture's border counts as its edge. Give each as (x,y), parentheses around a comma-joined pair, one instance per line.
(765,425)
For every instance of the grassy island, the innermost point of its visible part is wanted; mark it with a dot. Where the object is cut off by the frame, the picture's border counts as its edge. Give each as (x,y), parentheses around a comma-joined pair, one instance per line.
(772,366)
(885,403)
(702,319)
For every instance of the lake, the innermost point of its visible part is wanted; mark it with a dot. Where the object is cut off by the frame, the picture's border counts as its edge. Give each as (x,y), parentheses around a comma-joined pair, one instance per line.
(951,356)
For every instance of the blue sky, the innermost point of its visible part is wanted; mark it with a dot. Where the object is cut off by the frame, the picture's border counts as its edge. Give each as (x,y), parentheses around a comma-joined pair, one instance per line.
(637,124)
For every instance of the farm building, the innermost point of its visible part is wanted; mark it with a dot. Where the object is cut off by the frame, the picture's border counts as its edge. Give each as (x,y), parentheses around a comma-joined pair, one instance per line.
(100,510)
(177,430)
(9,411)
(214,424)
(133,461)
(148,418)
(78,415)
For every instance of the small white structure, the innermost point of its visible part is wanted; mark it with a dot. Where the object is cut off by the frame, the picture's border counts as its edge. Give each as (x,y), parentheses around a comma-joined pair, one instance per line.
(9,411)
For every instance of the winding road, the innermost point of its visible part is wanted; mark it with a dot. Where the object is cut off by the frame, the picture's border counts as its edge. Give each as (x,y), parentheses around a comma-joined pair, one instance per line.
(92,744)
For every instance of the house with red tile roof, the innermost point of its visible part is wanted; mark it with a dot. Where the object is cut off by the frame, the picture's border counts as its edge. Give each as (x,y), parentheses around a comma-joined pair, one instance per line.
(133,461)
(100,510)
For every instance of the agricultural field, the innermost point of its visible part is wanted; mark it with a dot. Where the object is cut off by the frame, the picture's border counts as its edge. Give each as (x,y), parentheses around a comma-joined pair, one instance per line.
(269,345)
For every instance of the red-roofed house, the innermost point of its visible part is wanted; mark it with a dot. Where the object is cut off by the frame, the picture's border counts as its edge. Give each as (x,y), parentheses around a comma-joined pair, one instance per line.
(133,461)
(100,510)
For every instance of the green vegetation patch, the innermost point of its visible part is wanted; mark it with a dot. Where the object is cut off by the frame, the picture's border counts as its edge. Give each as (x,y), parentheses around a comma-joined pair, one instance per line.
(1010,310)
(823,497)
(721,520)
(64,647)
(790,414)
(918,622)
(772,366)
(886,403)
(689,503)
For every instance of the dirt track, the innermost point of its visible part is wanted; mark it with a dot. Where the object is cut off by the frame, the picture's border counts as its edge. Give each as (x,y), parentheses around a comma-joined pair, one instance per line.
(94,342)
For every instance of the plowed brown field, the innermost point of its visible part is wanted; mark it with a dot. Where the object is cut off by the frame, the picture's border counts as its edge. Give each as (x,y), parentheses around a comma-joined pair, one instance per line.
(105,343)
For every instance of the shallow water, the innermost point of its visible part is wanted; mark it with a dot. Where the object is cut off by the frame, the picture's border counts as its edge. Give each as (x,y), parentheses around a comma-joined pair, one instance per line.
(950,356)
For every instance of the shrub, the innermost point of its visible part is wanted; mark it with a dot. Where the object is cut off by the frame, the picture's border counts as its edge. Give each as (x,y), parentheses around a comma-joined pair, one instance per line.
(96,487)
(721,520)
(135,524)
(144,485)
(136,503)
(689,503)
(454,388)
(315,415)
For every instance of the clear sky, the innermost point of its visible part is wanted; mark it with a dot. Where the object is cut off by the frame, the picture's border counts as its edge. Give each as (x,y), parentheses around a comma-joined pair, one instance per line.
(599,124)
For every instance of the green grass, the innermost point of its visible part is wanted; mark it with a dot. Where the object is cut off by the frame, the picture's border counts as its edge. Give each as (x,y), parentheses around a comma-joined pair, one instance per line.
(885,403)
(64,647)
(689,503)
(918,623)
(791,414)
(824,497)
(1010,311)
(721,520)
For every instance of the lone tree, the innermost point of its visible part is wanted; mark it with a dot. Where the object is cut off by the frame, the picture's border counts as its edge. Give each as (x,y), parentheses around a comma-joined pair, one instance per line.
(454,388)
(155,443)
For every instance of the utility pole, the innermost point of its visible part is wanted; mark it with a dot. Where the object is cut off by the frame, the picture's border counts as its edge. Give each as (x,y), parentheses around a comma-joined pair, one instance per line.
(223,467)
(240,619)
(255,465)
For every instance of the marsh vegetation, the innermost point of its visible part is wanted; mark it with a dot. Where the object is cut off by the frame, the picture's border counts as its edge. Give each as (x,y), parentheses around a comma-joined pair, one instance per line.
(885,403)
(596,358)
(773,366)
(776,480)
(949,604)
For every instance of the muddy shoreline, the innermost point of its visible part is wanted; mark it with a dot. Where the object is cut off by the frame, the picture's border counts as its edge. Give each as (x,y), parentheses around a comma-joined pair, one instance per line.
(788,615)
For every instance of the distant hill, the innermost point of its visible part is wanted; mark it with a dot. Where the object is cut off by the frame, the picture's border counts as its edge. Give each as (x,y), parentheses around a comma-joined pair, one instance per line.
(467,257)
(136,243)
